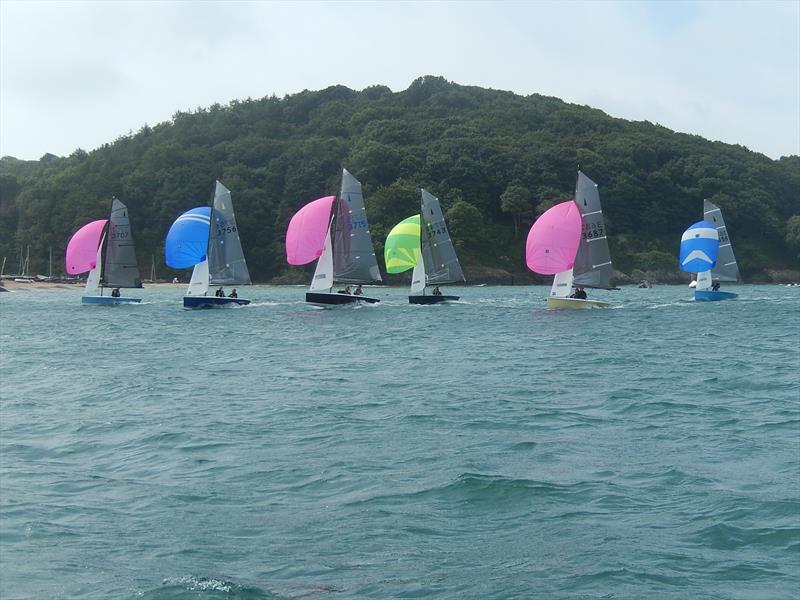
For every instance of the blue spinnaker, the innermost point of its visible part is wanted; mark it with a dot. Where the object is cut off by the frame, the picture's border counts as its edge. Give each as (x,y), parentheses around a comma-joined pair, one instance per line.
(699,246)
(187,240)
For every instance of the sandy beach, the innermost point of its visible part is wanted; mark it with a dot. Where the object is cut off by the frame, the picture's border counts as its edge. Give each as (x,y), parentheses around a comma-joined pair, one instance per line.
(47,286)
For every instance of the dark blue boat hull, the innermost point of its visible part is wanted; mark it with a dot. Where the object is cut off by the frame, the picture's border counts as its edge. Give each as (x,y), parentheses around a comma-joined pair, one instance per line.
(212,302)
(431,299)
(331,299)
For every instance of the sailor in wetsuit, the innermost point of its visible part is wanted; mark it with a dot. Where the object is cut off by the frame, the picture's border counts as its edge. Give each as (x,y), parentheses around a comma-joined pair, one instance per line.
(219,293)
(233,294)
(579,293)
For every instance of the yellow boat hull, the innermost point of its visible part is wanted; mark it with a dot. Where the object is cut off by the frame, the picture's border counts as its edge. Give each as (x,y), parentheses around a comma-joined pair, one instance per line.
(575,303)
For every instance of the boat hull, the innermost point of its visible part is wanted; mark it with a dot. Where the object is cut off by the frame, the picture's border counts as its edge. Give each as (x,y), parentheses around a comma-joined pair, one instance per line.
(109,300)
(212,302)
(575,303)
(431,299)
(712,296)
(331,299)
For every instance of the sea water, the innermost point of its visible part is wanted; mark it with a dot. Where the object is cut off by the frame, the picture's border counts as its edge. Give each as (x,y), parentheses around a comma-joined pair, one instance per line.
(485,449)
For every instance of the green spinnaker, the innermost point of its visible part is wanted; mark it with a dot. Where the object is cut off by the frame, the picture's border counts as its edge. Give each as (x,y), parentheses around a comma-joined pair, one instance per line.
(402,246)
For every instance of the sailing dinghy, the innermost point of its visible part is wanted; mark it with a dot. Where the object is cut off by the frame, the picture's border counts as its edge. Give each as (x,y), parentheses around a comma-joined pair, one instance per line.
(569,241)
(207,238)
(698,252)
(334,232)
(726,268)
(423,243)
(105,249)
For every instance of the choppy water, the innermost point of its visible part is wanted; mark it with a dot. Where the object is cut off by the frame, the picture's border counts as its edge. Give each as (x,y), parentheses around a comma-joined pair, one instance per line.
(489,449)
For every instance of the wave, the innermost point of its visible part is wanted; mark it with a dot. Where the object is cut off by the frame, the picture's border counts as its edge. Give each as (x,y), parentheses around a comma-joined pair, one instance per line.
(723,536)
(202,588)
(486,489)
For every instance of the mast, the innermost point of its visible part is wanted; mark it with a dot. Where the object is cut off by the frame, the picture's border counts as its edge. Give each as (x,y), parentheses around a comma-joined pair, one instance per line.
(50,276)
(102,259)
(152,267)
(27,264)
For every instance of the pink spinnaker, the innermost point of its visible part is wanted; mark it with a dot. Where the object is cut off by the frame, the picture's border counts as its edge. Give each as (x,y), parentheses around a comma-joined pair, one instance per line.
(553,240)
(82,247)
(307,230)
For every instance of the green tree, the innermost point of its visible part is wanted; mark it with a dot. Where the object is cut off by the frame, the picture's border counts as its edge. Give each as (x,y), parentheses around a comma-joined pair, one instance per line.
(477,149)
(516,201)
(548,198)
(793,234)
(464,222)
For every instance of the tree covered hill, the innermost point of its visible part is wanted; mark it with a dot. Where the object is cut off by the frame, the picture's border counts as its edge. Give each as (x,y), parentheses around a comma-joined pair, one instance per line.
(495,159)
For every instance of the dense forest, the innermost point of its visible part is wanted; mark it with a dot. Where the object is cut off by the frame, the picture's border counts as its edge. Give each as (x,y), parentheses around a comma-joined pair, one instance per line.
(495,159)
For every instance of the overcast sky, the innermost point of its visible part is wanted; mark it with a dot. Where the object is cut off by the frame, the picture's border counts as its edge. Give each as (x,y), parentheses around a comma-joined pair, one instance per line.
(79,74)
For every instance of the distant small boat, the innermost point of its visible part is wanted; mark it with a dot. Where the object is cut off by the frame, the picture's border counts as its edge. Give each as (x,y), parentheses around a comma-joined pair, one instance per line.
(207,238)
(569,241)
(706,250)
(334,232)
(644,284)
(422,242)
(105,249)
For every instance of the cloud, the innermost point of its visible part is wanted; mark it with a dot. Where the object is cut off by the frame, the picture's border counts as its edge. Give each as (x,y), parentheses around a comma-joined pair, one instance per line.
(80,74)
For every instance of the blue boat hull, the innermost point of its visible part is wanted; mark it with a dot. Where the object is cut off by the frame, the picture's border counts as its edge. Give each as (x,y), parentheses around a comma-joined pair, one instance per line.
(109,300)
(212,302)
(712,296)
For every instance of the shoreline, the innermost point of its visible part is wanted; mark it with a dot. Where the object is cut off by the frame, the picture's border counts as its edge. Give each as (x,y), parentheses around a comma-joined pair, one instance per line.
(41,286)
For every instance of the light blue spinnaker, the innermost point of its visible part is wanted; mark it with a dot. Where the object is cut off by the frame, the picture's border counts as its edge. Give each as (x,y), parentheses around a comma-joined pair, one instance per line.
(187,240)
(699,247)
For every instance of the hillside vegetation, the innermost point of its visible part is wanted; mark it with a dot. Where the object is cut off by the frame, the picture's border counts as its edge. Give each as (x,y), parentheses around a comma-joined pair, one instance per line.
(495,159)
